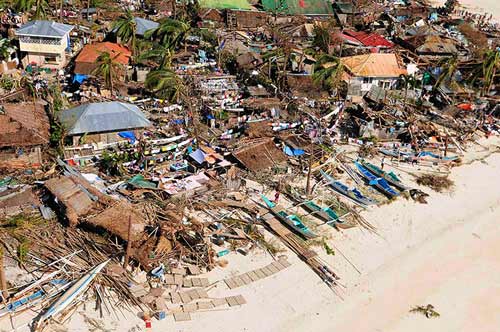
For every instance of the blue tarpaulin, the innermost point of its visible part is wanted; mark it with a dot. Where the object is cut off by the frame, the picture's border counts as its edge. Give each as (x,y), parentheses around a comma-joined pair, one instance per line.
(292,152)
(198,156)
(79,78)
(128,135)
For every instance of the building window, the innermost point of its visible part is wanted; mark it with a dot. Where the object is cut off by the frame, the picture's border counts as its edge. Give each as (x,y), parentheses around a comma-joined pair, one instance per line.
(51,59)
(367,80)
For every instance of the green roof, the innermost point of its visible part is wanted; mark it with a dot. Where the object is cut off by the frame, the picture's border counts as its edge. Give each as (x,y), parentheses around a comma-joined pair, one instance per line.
(298,7)
(225,4)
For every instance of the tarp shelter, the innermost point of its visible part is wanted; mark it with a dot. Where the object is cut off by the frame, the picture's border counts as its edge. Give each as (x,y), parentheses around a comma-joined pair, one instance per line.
(103,117)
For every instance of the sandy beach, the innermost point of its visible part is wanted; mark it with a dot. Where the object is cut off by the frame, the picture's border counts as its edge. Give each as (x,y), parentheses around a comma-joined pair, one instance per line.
(446,253)
(477,6)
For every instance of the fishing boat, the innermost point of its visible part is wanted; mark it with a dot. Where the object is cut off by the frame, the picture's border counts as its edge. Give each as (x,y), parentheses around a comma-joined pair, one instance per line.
(377,182)
(388,176)
(290,220)
(352,193)
(40,290)
(70,295)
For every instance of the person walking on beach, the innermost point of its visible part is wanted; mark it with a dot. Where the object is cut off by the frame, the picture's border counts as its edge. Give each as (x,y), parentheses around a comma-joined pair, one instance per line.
(382,163)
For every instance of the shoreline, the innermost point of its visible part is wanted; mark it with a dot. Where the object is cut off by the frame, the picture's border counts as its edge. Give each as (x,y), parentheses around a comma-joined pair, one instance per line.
(480,7)
(424,254)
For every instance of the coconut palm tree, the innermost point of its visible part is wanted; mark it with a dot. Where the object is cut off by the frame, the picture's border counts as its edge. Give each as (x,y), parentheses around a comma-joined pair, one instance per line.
(328,71)
(126,28)
(491,64)
(24,5)
(448,68)
(166,84)
(108,68)
(170,33)
(160,54)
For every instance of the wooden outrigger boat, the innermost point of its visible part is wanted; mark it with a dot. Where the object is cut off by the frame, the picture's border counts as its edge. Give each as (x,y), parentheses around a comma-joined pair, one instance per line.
(290,220)
(388,176)
(352,193)
(377,182)
(64,301)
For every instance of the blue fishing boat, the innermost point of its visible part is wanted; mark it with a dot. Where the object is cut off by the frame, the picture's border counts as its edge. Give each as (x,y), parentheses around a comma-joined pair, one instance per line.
(388,176)
(377,182)
(351,193)
(290,220)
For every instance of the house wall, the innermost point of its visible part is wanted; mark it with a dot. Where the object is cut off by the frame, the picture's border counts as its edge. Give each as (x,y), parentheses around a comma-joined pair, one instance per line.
(359,86)
(40,48)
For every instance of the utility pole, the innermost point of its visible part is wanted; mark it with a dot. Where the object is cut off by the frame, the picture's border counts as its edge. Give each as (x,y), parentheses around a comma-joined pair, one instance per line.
(309,171)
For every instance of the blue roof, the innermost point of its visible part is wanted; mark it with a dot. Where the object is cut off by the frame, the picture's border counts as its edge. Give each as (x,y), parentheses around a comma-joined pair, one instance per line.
(49,29)
(103,117)
(144,25)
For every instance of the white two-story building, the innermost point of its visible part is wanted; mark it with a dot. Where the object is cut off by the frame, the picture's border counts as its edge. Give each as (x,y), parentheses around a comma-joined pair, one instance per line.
(45,43)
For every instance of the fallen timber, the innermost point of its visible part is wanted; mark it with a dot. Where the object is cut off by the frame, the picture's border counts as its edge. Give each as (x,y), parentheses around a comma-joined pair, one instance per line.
(310,257)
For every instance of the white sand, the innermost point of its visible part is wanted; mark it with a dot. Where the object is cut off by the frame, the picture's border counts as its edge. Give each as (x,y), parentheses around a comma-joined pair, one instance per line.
(446,253)
(477,7)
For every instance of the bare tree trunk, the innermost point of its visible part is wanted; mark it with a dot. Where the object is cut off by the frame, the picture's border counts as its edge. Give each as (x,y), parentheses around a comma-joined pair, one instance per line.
(129,243)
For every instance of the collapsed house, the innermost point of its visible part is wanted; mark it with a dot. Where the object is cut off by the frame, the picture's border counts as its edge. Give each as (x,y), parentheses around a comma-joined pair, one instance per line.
(86,61)
(24,131)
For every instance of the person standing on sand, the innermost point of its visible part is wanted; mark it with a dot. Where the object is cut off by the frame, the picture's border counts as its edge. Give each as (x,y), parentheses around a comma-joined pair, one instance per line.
(382,163)
(276,197)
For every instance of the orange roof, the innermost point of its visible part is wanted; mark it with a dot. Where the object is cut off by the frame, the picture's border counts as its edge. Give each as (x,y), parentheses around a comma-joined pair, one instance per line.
(373,65)
(91,52)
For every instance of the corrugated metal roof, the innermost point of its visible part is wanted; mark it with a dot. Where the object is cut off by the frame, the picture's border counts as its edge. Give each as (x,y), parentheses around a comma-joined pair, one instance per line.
(44,29)
(91,52)
(373,65)
(103,117)
(144,25)
(370,39)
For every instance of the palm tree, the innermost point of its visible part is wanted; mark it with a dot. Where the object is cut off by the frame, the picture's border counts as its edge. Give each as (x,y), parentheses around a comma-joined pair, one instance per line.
(126,28)
(328,71)
(170,33)
(41,9)
(166,84)
(24,5)
(448,68)
(162,55)
(108,68)
(490,65)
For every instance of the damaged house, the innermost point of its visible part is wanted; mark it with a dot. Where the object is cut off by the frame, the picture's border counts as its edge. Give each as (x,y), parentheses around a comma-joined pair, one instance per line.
(260,155)
(24,130)
(86,61)
(365,70)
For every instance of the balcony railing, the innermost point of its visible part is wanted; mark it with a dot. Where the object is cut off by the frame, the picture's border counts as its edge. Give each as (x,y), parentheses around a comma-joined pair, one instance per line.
(44,41)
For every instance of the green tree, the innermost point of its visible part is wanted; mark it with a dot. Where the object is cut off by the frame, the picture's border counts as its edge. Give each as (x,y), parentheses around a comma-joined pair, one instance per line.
(448,67)
(160,54)
(170,33)
(126,29)
(408,81)
(486,70)
(322,38)
(5,49)
(166,84)
(328,72)
(108,68)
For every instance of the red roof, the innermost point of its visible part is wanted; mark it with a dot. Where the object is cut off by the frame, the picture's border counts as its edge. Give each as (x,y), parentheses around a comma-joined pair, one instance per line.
(370,39)
(91,52)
